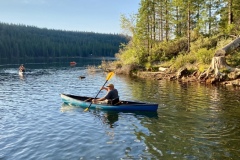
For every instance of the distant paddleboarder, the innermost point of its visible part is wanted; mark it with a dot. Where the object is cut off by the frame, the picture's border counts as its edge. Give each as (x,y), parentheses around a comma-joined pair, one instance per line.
(21,70)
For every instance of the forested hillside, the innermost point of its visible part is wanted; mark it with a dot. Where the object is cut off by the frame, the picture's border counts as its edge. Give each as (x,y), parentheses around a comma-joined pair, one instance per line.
(20,41)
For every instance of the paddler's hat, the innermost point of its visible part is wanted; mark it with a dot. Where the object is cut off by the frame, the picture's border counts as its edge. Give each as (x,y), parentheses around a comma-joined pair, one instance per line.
(110,85)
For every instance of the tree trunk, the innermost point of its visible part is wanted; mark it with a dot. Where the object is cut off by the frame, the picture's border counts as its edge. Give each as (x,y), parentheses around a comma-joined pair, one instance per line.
(230,13)
(219,62)
(188,27)
(228,48)
(166,21)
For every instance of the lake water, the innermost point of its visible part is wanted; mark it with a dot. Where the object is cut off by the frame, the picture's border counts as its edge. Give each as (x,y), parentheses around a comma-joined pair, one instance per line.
(193,121)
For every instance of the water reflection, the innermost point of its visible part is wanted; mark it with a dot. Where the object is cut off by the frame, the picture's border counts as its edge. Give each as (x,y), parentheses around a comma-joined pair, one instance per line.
(67,108)
(109,117)
(193,121)
(214,109)
(21,76)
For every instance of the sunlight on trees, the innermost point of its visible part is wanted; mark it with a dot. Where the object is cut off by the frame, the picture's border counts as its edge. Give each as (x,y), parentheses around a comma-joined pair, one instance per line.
(179,31)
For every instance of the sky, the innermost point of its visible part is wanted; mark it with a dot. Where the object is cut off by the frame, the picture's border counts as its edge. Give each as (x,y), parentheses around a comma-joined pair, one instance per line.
(100,16)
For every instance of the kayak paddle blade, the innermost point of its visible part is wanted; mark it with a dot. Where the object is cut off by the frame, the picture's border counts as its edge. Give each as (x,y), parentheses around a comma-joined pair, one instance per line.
(109,76)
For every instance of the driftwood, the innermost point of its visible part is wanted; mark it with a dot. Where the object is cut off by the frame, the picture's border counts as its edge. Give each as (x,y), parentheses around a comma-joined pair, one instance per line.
(219,62)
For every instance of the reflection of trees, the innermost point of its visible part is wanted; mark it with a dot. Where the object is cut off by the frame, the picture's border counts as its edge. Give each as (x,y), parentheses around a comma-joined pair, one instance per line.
(191,115)
(195,121)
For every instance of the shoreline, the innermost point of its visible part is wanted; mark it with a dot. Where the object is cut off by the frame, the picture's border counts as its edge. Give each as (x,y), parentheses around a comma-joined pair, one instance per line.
(184,78)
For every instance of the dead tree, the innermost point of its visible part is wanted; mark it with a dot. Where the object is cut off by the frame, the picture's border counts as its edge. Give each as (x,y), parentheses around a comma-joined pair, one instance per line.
(219,62)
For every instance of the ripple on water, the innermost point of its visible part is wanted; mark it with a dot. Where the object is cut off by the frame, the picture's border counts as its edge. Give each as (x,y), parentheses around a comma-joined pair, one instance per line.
(192,122)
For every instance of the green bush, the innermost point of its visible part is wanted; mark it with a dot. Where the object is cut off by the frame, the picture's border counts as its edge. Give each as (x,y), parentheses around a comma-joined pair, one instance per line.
(234,59)
(202,68)
(170,49)
(204,55)
(181,60)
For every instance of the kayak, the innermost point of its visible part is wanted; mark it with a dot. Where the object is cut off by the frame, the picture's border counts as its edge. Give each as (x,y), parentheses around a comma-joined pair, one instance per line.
(73,63)
(84,102)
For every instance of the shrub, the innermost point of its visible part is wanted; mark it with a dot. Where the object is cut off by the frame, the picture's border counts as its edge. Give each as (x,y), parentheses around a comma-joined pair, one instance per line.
(202,68)
(182,60)
(205,56)
(170,49)
(234,58)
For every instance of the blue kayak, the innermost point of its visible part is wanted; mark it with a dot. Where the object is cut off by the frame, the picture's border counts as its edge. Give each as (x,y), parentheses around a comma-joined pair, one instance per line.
(84,102)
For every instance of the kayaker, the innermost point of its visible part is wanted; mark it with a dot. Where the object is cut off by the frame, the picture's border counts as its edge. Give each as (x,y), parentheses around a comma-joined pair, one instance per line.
(22,68)
(110,98)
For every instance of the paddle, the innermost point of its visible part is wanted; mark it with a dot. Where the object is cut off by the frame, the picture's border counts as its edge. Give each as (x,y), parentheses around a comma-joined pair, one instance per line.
(109,76)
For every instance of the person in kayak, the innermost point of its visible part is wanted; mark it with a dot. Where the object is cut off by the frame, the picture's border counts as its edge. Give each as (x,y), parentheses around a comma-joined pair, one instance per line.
(22,68)
(110,98)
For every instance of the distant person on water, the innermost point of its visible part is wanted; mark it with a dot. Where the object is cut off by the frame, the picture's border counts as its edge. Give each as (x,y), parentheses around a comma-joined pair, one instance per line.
(22,68)
(111,96)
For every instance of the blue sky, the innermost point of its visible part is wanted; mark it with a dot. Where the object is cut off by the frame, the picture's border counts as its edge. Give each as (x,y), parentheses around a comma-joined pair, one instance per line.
(101,16)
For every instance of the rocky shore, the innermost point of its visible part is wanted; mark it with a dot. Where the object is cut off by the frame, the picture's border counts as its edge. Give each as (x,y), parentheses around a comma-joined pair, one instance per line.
(182,75)
(185,76)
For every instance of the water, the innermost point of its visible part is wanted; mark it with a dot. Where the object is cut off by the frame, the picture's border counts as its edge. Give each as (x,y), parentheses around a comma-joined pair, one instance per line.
(193,121)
